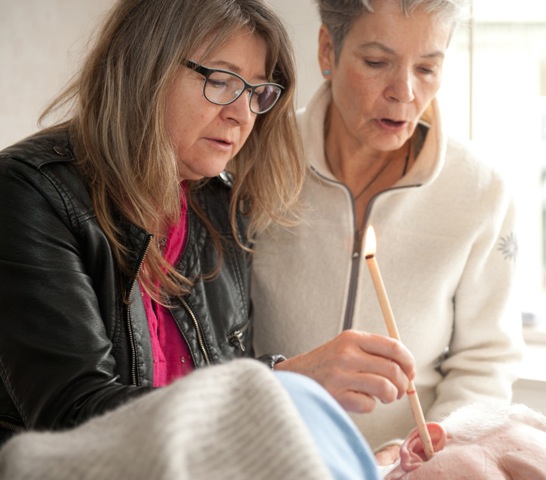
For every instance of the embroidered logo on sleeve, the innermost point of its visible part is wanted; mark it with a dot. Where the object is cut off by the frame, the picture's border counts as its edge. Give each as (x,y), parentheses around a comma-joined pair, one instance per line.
(508,246)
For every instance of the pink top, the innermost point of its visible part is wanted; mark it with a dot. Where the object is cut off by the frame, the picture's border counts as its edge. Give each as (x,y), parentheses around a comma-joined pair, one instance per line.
(170,351)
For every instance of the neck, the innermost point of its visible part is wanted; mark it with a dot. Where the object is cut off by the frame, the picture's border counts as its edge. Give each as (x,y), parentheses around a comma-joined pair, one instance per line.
(349,157)
(359,167)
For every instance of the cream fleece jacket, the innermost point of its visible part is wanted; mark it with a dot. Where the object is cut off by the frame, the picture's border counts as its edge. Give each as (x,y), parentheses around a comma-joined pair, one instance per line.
(446,247)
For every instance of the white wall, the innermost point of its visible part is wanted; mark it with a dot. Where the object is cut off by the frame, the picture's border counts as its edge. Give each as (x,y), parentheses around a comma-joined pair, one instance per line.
(42,41)
(302,21)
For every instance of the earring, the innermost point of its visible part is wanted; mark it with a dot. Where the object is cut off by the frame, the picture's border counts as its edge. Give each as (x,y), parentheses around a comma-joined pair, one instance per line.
(326,72)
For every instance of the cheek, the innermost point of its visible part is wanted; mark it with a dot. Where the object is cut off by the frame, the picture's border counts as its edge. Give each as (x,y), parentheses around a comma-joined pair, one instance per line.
(185,115)
(355,96)
(184,130)
(360,88)
(179,121)
(244,135)
(428,88)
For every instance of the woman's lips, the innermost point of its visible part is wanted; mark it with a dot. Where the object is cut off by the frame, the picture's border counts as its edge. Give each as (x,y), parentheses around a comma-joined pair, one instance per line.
(221,143)
(391,125)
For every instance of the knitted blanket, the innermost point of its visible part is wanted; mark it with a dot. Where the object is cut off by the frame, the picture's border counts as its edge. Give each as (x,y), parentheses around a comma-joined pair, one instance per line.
(233,421)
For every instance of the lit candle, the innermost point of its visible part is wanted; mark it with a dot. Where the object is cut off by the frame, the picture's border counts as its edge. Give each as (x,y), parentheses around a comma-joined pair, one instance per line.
(415,405)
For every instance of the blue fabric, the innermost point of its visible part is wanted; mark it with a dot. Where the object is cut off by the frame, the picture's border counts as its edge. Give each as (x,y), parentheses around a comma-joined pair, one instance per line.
(338,440)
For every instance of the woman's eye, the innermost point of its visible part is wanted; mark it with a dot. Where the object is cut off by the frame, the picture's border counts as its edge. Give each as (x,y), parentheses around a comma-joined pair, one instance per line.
(217,83)
(374,64)
(427,70)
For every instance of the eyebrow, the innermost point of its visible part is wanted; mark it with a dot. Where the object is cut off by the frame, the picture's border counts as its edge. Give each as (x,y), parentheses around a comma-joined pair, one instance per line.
(384,48)
(232,68)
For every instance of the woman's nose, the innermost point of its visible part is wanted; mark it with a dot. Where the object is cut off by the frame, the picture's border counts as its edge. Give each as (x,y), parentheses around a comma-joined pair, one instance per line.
(239,110)
(400,88)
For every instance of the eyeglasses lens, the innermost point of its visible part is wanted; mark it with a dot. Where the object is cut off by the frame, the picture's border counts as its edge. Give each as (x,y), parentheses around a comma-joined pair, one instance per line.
(223,88)
(264,97)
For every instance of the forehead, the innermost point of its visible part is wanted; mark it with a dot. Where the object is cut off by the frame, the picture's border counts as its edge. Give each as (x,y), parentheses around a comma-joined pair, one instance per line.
(228,40)
(235,52)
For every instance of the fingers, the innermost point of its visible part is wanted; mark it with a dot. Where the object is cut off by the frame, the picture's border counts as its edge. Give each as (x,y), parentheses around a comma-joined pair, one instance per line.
(387,348)
(386,388)
(356,402)
(374,365)
(359,392)
(358,369)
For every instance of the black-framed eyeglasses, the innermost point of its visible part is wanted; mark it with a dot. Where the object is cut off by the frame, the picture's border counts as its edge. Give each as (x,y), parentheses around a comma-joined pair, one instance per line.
(223,87)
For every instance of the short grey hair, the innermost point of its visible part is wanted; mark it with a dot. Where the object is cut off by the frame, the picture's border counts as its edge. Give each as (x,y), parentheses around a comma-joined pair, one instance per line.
(339,15)
(473,422)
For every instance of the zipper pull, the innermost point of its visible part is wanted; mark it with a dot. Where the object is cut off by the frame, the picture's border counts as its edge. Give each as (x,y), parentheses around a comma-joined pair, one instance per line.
(237,338)
(357,245)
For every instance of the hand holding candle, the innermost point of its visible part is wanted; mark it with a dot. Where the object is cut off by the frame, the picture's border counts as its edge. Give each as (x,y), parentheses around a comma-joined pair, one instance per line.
(415,405)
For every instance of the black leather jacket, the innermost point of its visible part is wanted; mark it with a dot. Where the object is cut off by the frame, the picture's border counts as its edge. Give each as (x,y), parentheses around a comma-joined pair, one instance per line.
(70,348)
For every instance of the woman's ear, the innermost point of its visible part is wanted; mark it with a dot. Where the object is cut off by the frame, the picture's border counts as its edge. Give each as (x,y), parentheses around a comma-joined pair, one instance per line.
(412,451)
(326,56)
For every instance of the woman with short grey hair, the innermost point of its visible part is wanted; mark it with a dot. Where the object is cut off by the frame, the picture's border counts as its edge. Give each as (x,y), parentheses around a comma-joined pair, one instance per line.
(377,155)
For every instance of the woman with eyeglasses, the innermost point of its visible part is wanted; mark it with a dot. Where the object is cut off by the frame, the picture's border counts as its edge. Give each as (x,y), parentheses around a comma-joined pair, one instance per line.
(126,225)
(445,227)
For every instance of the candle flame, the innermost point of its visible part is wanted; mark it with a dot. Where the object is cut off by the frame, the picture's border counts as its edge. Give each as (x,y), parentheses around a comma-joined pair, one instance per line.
(370,243)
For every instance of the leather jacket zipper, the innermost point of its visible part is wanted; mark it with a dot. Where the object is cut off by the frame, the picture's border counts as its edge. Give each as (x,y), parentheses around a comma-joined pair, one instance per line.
(236,337)
(10,426)
(134,376)
(197,329)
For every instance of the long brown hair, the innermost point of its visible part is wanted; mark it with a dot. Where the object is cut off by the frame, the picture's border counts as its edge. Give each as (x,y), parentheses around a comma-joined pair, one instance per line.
(117,121)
